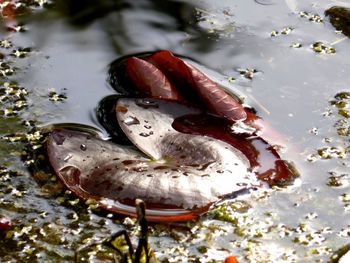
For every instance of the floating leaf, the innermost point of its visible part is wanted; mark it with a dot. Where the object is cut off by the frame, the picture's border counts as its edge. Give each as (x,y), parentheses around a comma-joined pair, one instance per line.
(149,80)
(168,151)
(183,176)
(118,77)
(191,83)
(264,160)
(215,99)
(148,124)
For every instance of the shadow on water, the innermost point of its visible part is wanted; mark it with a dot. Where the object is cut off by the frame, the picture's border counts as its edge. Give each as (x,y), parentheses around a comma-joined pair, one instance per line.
(121,20)
(76,32)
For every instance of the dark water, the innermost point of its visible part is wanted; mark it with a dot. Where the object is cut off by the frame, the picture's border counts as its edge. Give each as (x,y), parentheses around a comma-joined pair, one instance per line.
(292,88)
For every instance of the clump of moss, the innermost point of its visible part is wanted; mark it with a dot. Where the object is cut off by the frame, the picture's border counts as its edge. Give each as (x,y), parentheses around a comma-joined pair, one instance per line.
(222,213)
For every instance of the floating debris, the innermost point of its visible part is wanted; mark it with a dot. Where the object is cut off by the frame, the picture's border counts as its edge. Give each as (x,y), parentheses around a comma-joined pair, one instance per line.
(5,43)
(54,96)
(13,98)
(20,52)
(296,45)
(320,47)
(331,152)
(248,73)
(314,131)
(6,69)
(284,31)
(274,33)
(316,18)
(231,79)
(338,180)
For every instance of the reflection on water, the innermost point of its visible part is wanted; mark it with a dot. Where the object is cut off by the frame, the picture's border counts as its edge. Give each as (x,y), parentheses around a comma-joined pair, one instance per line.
(126,22)
(70,46)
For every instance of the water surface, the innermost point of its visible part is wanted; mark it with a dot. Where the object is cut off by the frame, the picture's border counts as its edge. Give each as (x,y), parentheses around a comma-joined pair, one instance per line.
(292,89)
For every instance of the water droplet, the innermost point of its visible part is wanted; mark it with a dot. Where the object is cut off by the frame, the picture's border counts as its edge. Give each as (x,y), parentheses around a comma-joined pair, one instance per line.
(83,147)
(143,134)
(146,103)
(69,156)
(131,120)
(140,169)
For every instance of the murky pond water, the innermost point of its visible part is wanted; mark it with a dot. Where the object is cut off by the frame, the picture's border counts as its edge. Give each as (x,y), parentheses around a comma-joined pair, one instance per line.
(54,70)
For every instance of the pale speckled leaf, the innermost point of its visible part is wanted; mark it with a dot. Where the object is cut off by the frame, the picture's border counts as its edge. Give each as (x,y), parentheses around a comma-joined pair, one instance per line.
(185,172)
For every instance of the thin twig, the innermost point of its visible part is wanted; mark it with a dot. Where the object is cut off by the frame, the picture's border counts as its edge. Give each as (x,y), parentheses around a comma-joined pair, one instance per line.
(338,41)
(251,97)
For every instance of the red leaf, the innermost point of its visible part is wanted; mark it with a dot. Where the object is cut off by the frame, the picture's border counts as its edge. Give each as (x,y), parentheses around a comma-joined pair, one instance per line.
(149,80)
(264,159)
(5,224)
(211,94)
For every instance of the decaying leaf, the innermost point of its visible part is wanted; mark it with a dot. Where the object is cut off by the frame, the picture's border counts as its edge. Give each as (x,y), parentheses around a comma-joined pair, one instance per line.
(181,173)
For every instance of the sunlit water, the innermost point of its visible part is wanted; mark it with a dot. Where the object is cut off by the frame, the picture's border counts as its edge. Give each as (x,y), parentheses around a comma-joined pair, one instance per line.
(291,87)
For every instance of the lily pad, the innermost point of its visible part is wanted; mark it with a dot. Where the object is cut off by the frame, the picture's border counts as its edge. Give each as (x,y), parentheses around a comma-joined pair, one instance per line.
(181,176)
(264,159)
(173,146)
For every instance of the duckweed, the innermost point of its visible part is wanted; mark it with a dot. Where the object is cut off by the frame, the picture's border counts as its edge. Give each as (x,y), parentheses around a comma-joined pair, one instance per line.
(51,225)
